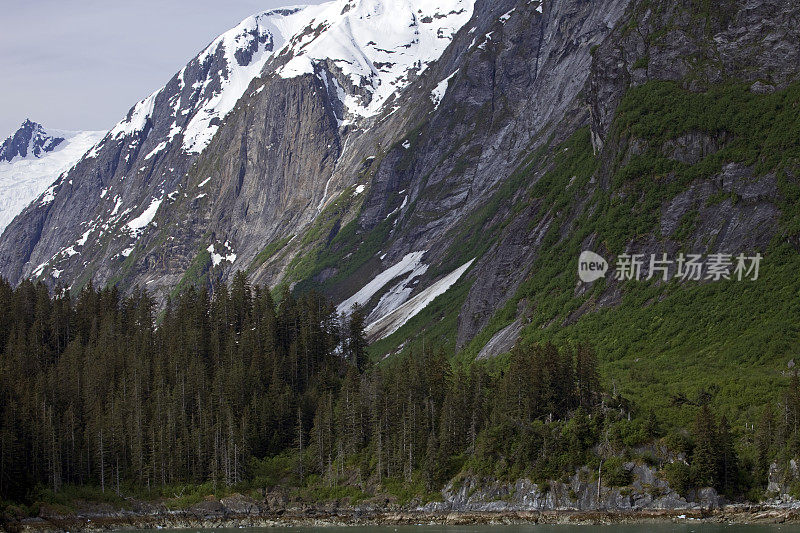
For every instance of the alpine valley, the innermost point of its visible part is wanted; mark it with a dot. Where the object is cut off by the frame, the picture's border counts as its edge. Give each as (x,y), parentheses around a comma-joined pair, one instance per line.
(442,164)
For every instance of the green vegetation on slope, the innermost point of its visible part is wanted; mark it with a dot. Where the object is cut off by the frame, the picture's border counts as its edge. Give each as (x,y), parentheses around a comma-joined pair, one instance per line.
(231,393)
(665,340)
(269,252)
(197,273)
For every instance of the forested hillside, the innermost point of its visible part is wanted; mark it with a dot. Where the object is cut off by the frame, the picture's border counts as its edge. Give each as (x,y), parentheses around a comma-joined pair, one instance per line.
(213,243)
(231,392)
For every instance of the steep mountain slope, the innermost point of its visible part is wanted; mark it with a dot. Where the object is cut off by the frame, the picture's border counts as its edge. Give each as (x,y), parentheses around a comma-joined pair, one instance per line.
(691,147)
(637,186)
(145,159)
(142,157)
(445,164)
(32,158)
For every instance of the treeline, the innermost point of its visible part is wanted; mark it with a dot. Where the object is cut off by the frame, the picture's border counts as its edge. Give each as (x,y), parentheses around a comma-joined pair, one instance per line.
(94,390)
(738,463)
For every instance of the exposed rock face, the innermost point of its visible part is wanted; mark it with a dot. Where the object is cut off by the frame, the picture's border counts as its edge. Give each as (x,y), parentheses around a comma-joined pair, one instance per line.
(138,167)
(340,515)
(753,42)
(502,341)
(510,88)
(30,139)
(297,179)
(658,41)
(647,491)
(144,194)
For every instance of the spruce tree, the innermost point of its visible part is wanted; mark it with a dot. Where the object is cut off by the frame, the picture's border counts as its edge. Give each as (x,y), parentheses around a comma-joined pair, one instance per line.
(355,339)
(728,462)
(705,454)
(764,443)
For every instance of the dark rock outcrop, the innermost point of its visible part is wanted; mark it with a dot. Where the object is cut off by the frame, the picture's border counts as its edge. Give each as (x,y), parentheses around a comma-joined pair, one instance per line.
(30,139)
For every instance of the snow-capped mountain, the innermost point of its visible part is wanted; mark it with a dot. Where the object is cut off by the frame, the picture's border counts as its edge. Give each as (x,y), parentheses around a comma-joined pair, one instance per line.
(352,56)
(375,48)
(32,158)
(273,125)
(30,140)
(386,152)
(371,49)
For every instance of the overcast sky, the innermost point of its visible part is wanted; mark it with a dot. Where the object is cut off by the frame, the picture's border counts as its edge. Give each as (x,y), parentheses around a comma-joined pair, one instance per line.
(81,64)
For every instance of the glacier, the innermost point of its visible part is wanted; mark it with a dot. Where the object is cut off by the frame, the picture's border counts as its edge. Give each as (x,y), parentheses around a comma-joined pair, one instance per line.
(23,179)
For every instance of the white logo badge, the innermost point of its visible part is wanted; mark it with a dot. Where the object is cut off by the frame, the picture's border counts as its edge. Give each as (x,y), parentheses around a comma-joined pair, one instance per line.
(591,267)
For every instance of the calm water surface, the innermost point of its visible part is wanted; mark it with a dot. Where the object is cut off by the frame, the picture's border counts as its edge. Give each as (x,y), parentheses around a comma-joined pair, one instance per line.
(642,528)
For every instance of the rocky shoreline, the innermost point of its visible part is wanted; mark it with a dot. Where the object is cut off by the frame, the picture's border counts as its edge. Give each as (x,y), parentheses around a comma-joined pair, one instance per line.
(470,501)
(196,518)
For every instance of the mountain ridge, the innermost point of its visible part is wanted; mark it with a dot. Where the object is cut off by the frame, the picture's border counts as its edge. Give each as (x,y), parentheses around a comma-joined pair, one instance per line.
(30,137)
(302,192)
(139,121)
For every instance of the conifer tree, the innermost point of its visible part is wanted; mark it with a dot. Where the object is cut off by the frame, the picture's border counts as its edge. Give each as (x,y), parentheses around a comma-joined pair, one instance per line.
(704,457)
(356,343)
(763,443)
(728,462)
(588,382)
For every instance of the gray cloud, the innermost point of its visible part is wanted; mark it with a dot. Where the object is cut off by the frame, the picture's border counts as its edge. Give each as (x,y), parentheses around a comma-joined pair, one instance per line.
(81,64)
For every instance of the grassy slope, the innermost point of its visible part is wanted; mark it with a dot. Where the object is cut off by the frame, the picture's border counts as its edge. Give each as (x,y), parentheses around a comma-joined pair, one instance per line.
(732,339)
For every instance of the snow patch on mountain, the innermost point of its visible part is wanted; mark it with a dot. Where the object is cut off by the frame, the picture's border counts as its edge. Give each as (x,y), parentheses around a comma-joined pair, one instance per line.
(117,205)
(142,221)
(402,206)
(441,89)
(390,323)
(407,264)
(159,147)
(397,295)
(85,236)
(218,258)
(378,45)
(25,178)
(137,117)
(507,16)
(265,32)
